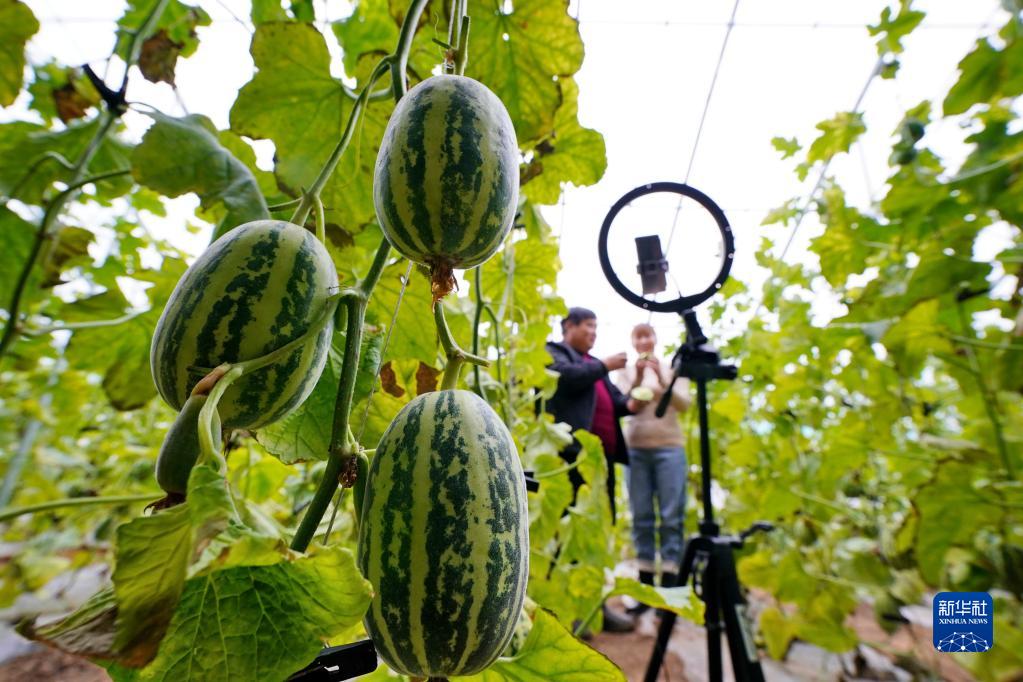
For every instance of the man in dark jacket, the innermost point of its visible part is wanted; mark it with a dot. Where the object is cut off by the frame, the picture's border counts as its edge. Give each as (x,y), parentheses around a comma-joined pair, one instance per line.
(585,397)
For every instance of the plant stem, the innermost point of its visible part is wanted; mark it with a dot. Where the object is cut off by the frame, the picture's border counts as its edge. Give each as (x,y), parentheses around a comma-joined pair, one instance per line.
(285,205)
(310,198)
(476,327)
(206,441)
(89,324)
(43,233)
(208,447)
(321,222)
(584,623)
(462,51)
(400,62)
(340,451)
(8,514)
(455,355)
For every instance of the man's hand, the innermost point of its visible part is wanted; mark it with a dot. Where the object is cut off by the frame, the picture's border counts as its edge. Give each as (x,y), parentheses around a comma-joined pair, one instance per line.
(635,406)
(613,362)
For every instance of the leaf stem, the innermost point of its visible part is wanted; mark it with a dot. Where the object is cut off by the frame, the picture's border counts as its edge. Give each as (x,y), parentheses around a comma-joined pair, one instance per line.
(455,355)
(476,327)
(311,196)
(8,514)
(76,326)
(285,205)
(206,441)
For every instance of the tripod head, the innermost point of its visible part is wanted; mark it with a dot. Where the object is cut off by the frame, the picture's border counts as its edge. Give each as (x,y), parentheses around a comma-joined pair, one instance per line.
(695,359)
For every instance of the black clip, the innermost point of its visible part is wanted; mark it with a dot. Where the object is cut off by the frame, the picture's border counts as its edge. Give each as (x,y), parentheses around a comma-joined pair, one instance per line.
(340,663)
(532,485)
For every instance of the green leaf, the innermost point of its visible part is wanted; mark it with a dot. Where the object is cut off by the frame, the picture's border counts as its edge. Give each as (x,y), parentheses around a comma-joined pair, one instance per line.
(787,147)
(570,154)
(262,622)
(938,531)
(152,558)
(16,239)
(837,135)
(264,11)
(17,25)
(23,144)
(916,337)
(777,631)
(893,29)
(526,49)
(304,435)
(121,353)
(414,335)
(679,600)
(294,101)
(987,74)
(370,28)
(547,506)
(179,155)
(67,247)
(550,654)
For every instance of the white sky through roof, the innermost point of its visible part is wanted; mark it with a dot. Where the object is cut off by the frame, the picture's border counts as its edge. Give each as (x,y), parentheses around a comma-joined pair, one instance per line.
(644,83)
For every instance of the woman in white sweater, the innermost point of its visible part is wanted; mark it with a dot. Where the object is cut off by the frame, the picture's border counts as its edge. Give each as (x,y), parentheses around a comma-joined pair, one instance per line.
(657,462)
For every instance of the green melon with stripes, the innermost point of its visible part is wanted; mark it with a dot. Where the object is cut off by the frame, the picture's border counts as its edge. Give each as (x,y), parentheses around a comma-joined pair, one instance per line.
(447,176)
(444,537)
(253,290)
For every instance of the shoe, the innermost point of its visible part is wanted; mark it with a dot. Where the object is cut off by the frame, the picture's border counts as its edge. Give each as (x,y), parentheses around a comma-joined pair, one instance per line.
(617,622)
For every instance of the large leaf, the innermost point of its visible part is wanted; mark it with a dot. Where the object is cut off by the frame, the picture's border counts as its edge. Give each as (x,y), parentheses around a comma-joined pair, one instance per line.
(17,25)
(262,622)
(570,154)
(526,49)
(152,558)
(551,654)
(304,435)
(294,101)
(179,155)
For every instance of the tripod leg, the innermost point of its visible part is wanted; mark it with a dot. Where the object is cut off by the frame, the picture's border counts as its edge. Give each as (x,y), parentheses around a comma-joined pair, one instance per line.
(685,568)
(712,617)
(745,661)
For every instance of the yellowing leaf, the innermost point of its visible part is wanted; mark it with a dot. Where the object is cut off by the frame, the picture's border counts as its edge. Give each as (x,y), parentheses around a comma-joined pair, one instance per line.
(550,654)
(17,25)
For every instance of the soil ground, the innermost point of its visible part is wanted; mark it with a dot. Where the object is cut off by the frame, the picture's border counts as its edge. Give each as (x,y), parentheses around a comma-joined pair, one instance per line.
(685,660)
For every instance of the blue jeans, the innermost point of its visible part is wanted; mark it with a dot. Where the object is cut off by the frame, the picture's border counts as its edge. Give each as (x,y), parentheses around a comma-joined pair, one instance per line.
(660,473)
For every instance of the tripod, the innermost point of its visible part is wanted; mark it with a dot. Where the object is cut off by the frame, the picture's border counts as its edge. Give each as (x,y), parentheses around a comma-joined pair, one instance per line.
(709,557)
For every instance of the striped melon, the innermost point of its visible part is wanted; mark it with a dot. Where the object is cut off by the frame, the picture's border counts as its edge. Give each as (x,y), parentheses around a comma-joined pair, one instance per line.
(253,290)
(444,537)
(446,181)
